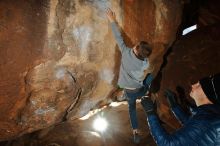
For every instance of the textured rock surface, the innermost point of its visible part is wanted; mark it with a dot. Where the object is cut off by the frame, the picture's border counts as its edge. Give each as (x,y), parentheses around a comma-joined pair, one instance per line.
(155,22)
(194,56)
(209,12)
(59,59)
(23,27)
(52,53)
(82,133)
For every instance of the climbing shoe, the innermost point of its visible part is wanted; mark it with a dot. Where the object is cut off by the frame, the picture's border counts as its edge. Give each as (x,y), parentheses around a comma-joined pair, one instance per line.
(136,138)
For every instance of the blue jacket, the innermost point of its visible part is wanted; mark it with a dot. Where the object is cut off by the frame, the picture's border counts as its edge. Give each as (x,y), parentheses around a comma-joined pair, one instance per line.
(200,129)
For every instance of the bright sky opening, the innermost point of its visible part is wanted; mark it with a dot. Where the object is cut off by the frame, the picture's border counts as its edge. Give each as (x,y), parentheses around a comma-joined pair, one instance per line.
(189,29)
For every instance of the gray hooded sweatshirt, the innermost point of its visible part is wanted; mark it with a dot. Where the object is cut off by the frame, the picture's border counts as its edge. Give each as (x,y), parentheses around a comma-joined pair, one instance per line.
(132,69)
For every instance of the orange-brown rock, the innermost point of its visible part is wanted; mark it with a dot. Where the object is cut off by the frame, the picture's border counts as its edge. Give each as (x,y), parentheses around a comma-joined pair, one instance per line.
(155,22)
(23,28)
(58,59)
(82,133)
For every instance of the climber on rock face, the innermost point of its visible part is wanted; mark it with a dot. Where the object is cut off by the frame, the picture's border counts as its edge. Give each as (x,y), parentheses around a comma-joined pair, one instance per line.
(132,76)
(201,128)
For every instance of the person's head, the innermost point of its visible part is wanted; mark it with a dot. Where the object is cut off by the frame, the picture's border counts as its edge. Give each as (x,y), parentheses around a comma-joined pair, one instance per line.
(142,50)
(207,90)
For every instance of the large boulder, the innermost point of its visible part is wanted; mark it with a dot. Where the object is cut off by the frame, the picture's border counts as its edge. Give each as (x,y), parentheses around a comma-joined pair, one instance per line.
(59,59)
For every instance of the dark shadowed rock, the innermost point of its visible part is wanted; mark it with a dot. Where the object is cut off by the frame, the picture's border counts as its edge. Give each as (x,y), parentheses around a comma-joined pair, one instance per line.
(194,56)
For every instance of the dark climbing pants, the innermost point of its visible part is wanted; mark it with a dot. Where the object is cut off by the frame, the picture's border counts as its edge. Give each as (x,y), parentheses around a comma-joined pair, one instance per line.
(133,95)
